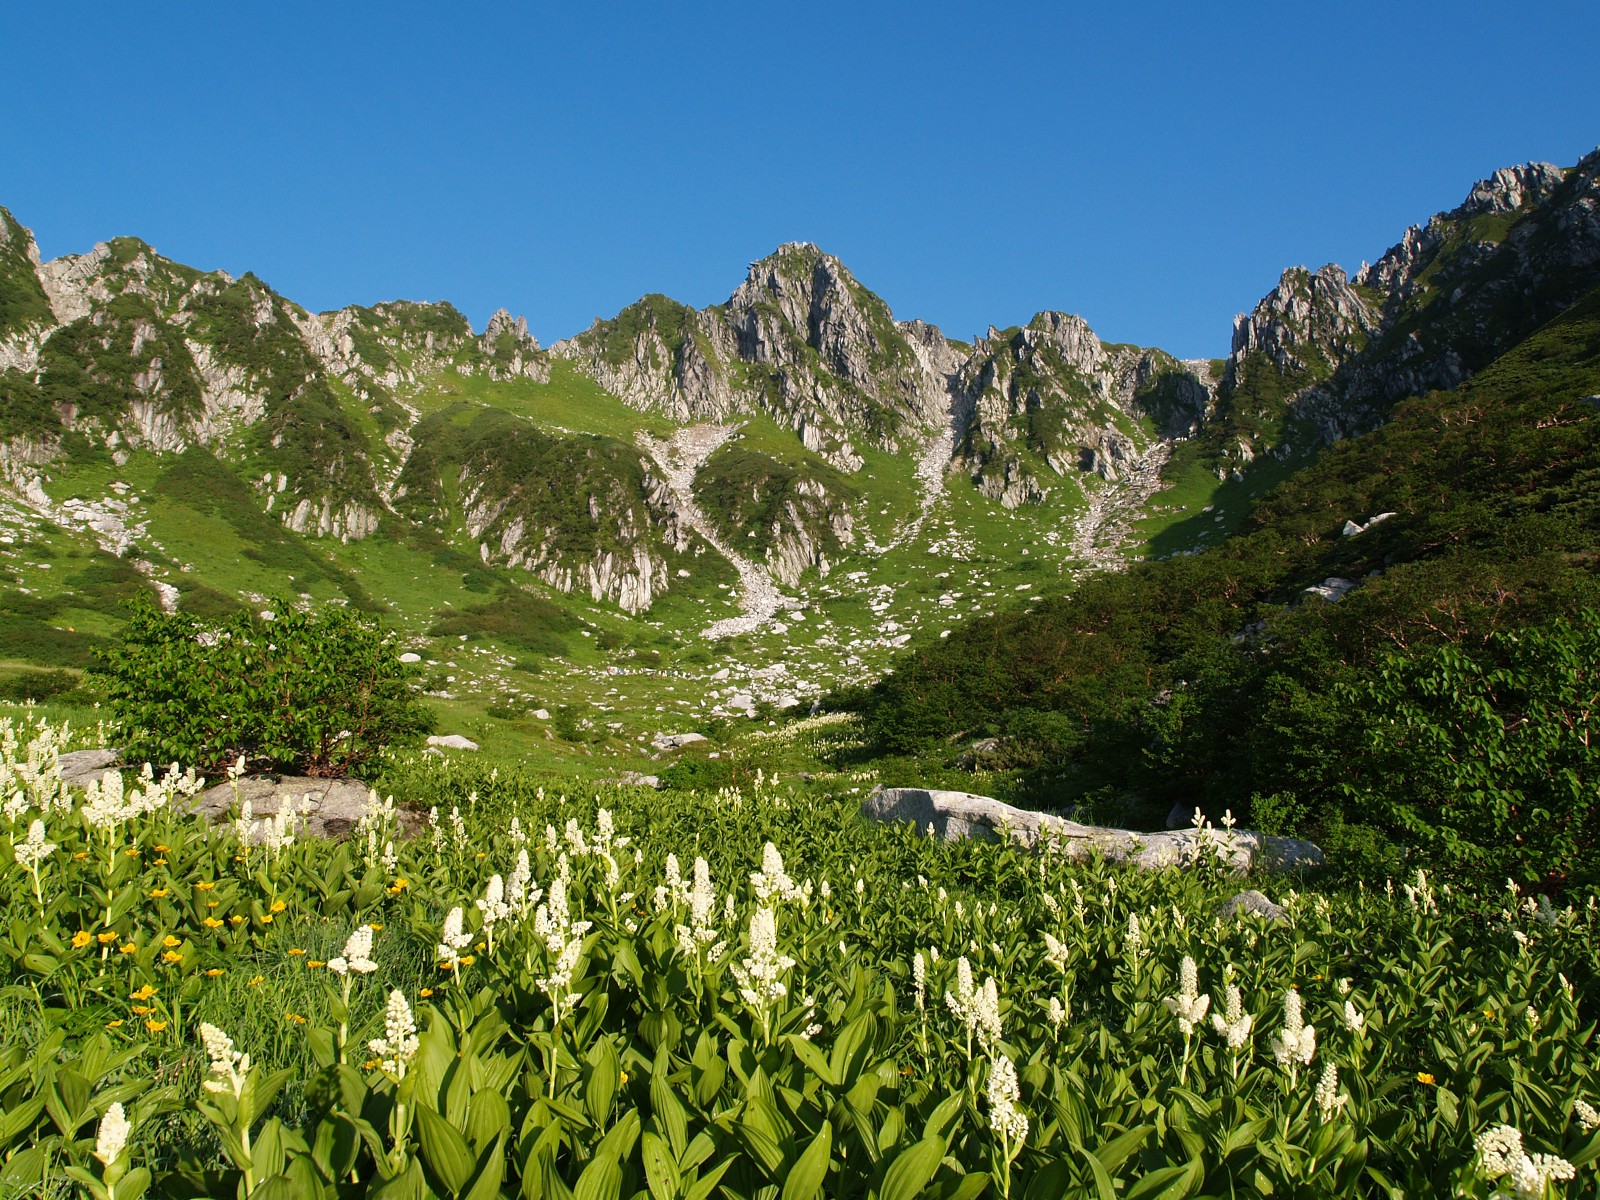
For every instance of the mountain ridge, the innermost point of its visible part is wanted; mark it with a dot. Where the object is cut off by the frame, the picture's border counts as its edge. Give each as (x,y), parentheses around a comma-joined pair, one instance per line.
(343,423)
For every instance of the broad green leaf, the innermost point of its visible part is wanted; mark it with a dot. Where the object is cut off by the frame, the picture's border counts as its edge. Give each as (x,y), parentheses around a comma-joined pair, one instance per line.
(806,1177)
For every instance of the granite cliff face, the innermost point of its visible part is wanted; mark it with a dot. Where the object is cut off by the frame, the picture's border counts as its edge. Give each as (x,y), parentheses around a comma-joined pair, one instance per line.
(1052,395)
(799,339)
(1324,357)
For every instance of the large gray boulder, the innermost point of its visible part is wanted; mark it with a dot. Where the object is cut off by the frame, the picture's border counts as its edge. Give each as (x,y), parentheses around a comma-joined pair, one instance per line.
(329,807)
(957,815)
(80,768)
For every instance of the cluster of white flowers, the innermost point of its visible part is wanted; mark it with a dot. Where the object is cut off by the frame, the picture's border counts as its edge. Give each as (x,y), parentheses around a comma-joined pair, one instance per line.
(1189,1006)
(376,829)
(760,975)
(453,939)
(919,981)
(1500,1153)
(30,776)
(520,894)
(1005,1118)
(33,850)
(1056,1013)
(1231,1021)
(1585,1115)
(1055,952)
(493,906)
(278,834)
(1419,893)
(229,1068)
(701,932)
(1329,1099)
(1133,940)
(106,803)
(977,1008)
(357,954)
(1296,1044)
(1353,1020)
(773,881)
(112,1135)
(563,942)
(399,1043)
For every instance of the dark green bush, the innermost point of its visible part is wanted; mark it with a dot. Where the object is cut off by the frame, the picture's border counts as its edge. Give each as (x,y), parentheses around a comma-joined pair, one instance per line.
(1488,759)
(319,691)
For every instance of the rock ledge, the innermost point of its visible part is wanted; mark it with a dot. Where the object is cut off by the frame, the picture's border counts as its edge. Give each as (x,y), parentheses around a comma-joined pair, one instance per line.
(957,815)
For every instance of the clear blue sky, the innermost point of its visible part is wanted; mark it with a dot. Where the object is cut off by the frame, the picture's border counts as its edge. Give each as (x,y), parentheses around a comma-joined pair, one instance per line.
(1152,167)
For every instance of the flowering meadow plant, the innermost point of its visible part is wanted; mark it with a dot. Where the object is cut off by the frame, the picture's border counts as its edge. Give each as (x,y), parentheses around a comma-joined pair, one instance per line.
(749,993)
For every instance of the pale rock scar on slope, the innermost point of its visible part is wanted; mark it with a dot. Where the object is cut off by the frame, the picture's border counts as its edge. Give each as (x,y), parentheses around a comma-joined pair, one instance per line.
(1101,531)
(680,457)
(932,466)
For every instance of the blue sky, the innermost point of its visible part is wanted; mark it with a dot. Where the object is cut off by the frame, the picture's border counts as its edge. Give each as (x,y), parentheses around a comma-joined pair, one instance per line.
(1150,166)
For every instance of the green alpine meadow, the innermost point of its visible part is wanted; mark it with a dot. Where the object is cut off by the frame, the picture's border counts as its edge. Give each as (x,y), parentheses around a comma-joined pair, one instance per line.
(775,750)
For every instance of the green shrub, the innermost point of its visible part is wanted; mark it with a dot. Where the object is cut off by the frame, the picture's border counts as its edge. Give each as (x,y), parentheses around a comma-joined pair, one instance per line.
(321,692)
(1490,758)
(21,686)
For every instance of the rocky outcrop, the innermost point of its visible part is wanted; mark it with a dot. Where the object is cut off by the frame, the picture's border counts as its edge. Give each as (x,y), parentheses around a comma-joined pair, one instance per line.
(325,808)
(1308,324)
(511,351)
(800,338)
(1053,396)
(953,816)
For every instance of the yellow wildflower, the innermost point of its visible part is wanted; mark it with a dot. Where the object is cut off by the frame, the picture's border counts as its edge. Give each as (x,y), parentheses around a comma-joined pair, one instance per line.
(214,972)
(205,885)
(106,938)
(80,856)
(117,1024)
(158,893)
(1424,1077)
(134,853)
(162,849)
(81,939)
(145,992)
(155,1026)
(160,862)
(128,948)
(314,963)
(278,906)
(295,1017)
(295,950)
(172,958)
(212,923)
(467,960)
(266,918)
(374,927)
(237,918)
(142,1010)
(425,992)
(171,942)
(254,980)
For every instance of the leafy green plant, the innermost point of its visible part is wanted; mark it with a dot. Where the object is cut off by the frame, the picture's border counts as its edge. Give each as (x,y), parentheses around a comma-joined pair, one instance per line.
(319,691)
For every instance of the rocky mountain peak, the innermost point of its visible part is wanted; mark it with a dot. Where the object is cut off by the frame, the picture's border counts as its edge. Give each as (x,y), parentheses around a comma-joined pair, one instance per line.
(1070,335)
(1311,321)
(502,323)
(1509,189)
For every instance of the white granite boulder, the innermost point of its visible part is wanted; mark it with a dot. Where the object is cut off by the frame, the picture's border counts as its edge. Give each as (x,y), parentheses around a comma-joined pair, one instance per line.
(956,815)
(330,807)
